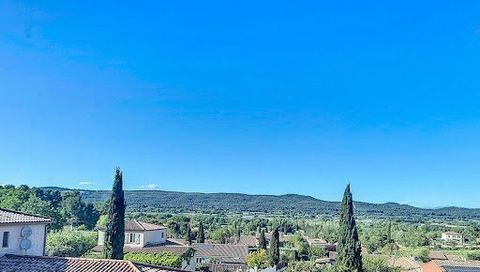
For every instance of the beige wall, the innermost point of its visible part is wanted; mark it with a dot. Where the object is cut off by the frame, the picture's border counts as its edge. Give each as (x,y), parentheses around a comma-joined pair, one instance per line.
(155,237)
(146,238)
(37,238)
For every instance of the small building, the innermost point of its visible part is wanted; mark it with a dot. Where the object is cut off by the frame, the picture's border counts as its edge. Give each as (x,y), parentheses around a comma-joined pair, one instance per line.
(139,234)
(316,242)
(22,263)
(451,266)
(221,257)
(142,237)
(453,238)
(22,233)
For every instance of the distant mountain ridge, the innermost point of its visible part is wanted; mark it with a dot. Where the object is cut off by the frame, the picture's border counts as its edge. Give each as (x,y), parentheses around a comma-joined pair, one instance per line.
(289,204)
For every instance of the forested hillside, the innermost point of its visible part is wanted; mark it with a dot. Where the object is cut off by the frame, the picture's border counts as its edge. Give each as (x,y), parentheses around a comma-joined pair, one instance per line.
(168,201)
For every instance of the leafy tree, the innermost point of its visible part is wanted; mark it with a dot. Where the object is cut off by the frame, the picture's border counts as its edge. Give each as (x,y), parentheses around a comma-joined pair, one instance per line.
(73,208)
(275,247)
(70,243)
(349,256)
(161,258)
(115,230)
(303,266)
(257,259)
(189,234)
(262,241)
(201,233)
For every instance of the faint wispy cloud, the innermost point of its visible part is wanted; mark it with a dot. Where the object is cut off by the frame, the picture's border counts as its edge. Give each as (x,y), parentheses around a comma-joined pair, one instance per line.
(150,187)
(87,183)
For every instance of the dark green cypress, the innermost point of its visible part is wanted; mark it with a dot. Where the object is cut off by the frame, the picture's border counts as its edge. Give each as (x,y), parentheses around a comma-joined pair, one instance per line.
(189,235)
(201,234)
(389,233)
(115,230)
(275,247)
(349,256)
(262,242)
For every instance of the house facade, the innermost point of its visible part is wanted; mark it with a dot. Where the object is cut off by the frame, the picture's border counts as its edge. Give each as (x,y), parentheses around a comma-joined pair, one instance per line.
(22,233)
(142,237)
(139,234)
(450,237)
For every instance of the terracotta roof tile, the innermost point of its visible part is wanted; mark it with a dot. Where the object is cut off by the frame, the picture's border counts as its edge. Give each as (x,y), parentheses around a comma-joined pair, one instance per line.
(19,263)
(11,217)
(134,225)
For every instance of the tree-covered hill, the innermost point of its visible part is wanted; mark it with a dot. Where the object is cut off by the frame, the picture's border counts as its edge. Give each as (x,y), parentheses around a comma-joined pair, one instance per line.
(291,204)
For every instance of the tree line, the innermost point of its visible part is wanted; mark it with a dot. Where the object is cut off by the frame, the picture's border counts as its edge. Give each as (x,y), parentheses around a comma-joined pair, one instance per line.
(67,208)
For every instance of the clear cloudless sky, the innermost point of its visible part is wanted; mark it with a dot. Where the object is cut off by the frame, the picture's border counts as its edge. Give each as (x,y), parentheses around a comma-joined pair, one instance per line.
(261,97)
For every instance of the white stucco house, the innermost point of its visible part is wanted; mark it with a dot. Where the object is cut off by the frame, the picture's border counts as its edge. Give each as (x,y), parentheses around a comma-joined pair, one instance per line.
(142,237)
(140,234)
(22,234)
(450,237)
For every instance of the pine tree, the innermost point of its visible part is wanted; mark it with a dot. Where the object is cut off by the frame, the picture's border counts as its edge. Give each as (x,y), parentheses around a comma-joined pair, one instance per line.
(262,242)
(275,247)
(115,229)
(349,256)
(189,235)
(201,234)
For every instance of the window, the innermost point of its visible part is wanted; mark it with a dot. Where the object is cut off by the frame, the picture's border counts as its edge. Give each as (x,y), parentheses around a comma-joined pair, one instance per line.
(132,238)
(162,234)
(6,234)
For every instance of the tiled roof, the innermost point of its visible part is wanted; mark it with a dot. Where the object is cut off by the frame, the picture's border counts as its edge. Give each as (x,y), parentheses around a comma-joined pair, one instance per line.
(436,255)
(134,225)
(19,263)
(10,217)
(455,266)
(227,252)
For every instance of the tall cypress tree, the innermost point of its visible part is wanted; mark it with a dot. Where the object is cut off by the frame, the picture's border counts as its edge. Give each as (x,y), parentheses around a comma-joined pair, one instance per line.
(389,233)
(115,230)
(189,234)
(201,234)
(262,242)
(275,247)
(349,256)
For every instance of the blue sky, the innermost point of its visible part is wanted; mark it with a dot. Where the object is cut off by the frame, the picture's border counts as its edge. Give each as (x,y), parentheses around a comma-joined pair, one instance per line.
(268,97)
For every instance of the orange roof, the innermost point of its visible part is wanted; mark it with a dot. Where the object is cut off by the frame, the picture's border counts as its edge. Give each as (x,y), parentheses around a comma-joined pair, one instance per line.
(21,263)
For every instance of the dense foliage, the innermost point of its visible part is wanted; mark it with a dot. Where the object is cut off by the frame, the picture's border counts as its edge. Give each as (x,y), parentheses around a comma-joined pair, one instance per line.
(288,205)
(258,259)
(66,208)
(115,229)
(70,243)
(163,258)
(275,247)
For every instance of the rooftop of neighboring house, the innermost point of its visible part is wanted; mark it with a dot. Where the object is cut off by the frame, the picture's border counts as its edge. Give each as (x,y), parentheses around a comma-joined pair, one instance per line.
(452,266)
(404,263)
(437,255)
(135,225)
(13,217)
(228,253)
(20,263)
(246,240)
(452,233)
(315,240)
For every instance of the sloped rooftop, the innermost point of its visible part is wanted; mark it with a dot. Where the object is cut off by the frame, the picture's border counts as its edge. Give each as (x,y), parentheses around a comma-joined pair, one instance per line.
(20,263)
(12,217)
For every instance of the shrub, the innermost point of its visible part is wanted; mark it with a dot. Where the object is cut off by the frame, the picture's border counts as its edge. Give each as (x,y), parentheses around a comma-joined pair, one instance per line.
(70,243)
